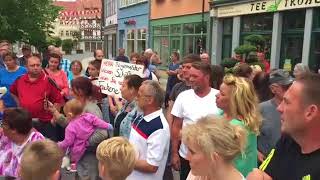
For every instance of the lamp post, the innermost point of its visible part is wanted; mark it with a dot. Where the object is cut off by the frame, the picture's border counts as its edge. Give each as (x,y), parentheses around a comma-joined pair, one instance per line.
(202,28)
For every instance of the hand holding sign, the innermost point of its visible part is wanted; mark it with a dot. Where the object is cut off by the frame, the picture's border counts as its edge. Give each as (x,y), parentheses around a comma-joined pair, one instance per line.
(112,74)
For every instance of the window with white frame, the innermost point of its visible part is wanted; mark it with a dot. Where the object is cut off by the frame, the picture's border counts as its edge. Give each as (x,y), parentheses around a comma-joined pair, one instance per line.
(130,41)
(141,39)
(125,3)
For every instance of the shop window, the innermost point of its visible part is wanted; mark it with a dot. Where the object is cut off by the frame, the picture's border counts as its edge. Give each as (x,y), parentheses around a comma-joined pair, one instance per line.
(198,27)
(314,62)
(157,30)
(175,29)
(257,22)
(161,45)
(227,37)
(294,20)
(164,30)
(193,44)
(292,39)
(188,28)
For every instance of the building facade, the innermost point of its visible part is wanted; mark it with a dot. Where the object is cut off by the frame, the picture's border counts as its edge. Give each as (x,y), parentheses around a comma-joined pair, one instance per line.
(80,20)
(110,28)
(179,26)
(291,29)
(67,23)
(133,25)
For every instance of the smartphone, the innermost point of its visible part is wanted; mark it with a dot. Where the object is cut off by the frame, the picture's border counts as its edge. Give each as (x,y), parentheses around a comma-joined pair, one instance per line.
(45,101)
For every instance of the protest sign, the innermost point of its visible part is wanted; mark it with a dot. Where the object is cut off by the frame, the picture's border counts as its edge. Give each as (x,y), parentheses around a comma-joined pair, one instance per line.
(112,74)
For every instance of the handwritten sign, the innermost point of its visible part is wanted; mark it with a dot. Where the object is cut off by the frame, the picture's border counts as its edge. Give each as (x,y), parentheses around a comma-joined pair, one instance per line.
(112,74)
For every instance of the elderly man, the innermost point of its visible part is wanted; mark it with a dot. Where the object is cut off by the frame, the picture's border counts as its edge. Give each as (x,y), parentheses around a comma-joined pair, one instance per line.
(33,91)
(122,57)
(150,134)
(189,106)
(297,153)
(270,131)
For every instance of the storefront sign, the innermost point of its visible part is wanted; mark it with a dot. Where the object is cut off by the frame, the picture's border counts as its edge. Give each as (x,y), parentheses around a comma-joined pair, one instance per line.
(263,6)
(130,22)
(112,74)
(287,66)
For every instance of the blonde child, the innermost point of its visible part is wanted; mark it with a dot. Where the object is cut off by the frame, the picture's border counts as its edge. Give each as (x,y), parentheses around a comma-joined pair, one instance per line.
(116,157)
(81,126)
(41,160)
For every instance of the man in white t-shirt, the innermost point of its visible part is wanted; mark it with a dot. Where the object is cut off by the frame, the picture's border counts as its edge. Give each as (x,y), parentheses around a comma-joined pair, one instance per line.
(189,106)
(150,134)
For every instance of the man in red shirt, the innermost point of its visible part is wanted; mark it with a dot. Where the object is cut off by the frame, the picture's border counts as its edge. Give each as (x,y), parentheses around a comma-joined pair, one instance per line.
(32,91)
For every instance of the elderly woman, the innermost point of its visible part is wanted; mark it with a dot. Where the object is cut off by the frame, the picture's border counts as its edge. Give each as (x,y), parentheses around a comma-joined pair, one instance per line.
(213,144)
(8,75)
(15,133)
(128,112)
(239,102)
(75,69)
(300,69)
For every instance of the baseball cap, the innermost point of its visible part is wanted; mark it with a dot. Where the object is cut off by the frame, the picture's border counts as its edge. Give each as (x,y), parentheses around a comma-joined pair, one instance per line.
(279,76)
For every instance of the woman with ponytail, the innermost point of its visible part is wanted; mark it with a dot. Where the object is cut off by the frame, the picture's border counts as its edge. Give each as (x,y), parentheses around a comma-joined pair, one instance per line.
(213,144)
(239,102)
(88,94)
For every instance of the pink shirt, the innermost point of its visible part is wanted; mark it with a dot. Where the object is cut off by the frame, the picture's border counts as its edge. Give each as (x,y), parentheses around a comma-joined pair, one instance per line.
(61,80)
(10,153)
(78,132)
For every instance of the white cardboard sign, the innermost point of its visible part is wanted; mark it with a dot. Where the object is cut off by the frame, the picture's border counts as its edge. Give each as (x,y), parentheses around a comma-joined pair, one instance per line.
(112,74)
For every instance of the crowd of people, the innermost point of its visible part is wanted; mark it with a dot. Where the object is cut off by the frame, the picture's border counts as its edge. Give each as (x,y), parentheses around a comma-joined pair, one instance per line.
(206,125)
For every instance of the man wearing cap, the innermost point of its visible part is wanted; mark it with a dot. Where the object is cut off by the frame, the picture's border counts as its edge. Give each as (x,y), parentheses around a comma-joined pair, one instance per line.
(26,51)
(279,82)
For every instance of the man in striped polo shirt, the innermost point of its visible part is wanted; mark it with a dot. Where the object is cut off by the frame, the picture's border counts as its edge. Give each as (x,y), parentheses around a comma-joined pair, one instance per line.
(150,134)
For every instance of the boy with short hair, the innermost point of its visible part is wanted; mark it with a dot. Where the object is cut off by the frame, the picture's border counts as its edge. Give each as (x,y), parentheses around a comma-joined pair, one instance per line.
(116,157)
(41,160)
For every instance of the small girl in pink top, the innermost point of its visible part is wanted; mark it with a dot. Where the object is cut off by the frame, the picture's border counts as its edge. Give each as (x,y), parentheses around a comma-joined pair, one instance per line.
(81,126)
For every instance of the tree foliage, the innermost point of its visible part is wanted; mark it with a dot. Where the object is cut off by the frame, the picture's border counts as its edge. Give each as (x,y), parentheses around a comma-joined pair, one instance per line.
(67,45)
(27,20)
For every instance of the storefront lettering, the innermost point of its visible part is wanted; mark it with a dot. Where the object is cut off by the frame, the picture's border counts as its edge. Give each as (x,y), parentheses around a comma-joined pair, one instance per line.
(258,6)
(292,3)
(262,6)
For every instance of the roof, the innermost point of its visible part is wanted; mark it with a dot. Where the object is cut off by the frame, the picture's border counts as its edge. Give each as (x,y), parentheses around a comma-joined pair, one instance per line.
(73,11)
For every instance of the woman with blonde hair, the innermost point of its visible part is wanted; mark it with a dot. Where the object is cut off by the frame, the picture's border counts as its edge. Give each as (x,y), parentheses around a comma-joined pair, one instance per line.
(239,102)
(213,143)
